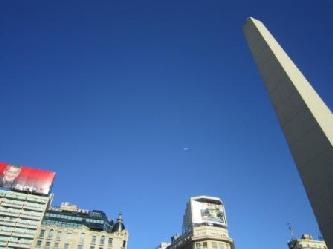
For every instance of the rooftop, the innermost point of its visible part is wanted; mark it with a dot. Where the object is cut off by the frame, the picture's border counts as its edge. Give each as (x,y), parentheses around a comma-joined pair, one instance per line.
(72,216)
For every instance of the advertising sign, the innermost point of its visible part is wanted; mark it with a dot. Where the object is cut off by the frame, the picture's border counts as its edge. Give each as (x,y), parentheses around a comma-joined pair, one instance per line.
(25,179)
(208,212)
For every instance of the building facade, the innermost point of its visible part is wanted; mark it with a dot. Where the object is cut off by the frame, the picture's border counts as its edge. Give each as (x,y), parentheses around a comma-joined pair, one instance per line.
(27,220)
(69,227)
(204,226)
(306,242)
(305,119)
(24,197)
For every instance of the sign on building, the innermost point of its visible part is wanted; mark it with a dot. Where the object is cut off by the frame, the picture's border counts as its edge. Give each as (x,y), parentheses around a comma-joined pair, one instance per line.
(25,179)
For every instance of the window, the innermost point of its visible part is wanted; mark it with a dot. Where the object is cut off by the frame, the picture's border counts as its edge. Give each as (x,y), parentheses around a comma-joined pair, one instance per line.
(93,240)
(58,237)
(42,233)
(68,236)
(56,245)
(79,246)
(92,247)
(66,246)
(82,237)
(51,232)
(102,240)
(221,245)
(47,245)
(110,242)
(38,243)
(197,245)
(214,245)
(124,243)
(204,245)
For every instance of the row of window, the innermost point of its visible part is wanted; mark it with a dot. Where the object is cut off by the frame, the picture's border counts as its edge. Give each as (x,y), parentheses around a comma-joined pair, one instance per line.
(23,196)
(59,235)
(61,216)
(66,245)
(17,230)
(61,223)
(312,245)
(17,220)
(19,202)
(16,240)
(67,217)
(211,245)
(32,214)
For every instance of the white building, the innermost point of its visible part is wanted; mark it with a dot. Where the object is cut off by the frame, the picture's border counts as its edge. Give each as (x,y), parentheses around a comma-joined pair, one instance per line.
(204,226)
(24,197)
(306,242)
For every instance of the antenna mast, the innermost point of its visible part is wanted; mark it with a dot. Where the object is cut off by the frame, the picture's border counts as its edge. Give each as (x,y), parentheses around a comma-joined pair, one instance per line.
(291,230)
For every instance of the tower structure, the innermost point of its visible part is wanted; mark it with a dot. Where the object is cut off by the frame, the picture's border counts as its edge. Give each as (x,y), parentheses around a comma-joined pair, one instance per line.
(305,119)
(24,197)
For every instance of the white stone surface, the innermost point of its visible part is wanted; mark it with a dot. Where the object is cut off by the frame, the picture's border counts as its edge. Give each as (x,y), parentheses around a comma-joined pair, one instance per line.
(306,121)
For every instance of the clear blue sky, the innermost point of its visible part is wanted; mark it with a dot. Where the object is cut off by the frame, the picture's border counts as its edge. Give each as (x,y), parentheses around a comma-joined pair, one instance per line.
(108,93)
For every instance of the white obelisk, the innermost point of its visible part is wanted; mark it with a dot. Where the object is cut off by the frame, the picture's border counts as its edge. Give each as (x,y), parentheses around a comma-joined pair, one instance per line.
(305,119)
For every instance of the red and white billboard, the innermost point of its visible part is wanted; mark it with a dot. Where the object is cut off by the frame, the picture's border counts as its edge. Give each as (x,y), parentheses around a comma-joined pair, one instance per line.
(25,179)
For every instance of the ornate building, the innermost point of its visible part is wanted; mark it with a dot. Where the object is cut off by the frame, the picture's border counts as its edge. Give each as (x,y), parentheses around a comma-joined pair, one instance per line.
(69,227)
(204,226)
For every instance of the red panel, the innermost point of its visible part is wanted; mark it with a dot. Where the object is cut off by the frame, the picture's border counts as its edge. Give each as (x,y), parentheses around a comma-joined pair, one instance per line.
(25,178)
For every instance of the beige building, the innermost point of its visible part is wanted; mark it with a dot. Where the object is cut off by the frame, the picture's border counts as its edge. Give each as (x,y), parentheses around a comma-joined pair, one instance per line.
(306,242)
(69,227)
(20,216)
(204,226)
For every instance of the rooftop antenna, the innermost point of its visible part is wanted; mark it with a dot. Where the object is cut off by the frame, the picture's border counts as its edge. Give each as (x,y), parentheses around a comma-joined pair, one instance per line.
(291,230)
